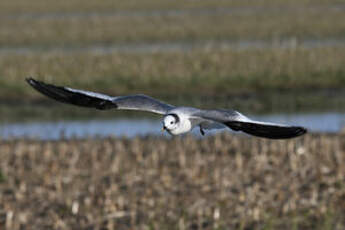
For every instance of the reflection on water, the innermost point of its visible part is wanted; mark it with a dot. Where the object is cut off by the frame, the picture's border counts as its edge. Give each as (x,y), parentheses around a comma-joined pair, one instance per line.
(320,122)
(81,129)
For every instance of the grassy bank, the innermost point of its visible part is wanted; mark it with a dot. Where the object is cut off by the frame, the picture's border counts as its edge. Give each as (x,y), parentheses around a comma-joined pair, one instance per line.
(45,39)
(262,103)
(260,24)
(208,73)
(50,6)
(217,183)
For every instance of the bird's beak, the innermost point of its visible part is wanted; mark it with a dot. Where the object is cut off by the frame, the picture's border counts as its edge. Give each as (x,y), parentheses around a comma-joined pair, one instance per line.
(164,128)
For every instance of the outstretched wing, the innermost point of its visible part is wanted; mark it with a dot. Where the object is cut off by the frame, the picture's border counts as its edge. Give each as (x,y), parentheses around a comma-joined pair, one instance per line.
(100,101)
(238,122)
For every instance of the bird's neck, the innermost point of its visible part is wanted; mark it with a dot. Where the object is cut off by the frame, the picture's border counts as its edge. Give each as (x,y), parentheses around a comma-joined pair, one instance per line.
(184,125)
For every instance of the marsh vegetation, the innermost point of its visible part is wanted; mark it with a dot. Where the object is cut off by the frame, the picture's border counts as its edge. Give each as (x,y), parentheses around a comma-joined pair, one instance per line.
(254,56)
(51,40)
(221,182)
(262,80)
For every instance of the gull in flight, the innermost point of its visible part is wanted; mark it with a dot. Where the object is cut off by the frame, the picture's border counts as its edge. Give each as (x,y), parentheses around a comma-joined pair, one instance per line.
(176,120)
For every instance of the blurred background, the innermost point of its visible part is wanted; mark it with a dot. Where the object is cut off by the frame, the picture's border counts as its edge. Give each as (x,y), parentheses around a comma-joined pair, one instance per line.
(273,60)
(64,167)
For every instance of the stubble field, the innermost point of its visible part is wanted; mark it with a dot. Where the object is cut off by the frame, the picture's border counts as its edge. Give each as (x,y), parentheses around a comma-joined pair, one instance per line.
(220,182)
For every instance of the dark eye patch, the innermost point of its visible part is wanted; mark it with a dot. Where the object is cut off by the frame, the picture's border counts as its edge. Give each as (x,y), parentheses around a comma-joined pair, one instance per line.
(177,119)
(171,122)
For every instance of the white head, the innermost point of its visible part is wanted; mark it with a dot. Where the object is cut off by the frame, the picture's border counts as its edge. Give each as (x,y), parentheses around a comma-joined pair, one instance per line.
(171,123)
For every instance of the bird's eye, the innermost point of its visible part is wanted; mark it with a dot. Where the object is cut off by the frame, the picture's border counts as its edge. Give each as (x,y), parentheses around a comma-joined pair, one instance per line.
(171,122)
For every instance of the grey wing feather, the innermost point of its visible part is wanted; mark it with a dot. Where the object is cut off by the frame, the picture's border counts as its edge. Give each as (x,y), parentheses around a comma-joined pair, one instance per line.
(142,102)
(211,125)
(238,122)
(99,101)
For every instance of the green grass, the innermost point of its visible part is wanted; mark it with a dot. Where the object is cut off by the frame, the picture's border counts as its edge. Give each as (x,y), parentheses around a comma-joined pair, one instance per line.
(216,75)
(205,73)
(267,80)
(305,23)
(2,177)
(22,6)
(43,108)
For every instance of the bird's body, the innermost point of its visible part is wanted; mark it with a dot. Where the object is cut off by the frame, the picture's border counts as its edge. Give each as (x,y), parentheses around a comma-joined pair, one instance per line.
(188,121)
(185,124)
(176,120)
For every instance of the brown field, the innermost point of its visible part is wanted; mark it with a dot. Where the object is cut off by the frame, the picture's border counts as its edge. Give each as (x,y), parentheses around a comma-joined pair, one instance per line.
(220,182)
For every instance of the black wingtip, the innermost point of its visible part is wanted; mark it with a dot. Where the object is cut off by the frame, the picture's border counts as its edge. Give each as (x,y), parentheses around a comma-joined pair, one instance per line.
(296,131)
(292,132)
(267,130)
(31,81)
(301,131)
(35,84)
(68,96)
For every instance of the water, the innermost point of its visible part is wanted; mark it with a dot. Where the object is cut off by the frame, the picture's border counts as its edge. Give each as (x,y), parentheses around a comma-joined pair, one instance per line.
(315,122)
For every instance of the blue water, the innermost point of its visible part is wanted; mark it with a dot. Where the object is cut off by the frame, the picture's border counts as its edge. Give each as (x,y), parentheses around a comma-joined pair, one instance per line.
(122,127)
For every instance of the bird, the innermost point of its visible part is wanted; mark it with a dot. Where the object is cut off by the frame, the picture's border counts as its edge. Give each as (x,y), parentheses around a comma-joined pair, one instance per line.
(176,119)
